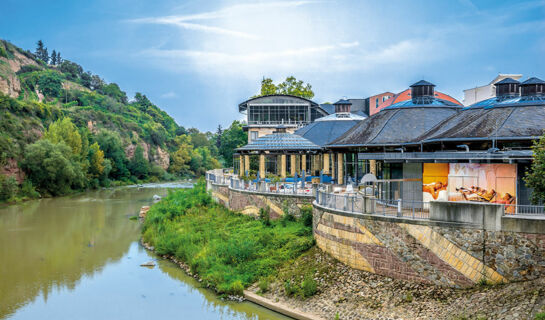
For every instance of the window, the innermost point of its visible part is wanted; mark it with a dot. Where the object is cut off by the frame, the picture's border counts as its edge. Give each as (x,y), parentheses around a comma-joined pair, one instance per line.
(376,103)
(253,135)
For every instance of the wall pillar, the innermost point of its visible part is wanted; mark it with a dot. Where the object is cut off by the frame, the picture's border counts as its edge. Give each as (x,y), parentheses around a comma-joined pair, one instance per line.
(293,165)
(247,164)
(262,166)
(333,167)
(340,168)
(326,163)
(303,162)
(373,167)
(241,166)
(283,166)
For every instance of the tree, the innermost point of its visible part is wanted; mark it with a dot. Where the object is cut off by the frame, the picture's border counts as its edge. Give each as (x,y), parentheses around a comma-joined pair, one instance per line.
(181,158)
(110,143)
(46,56)
(63,130)
(267,87)
(290,86)
(96,161)
(41,51)
(138,165)
(218,137)
(50,83)
(59,59)
(232,138)
(54,58)
(8,187)
(535,177)
(72,70)
(52,168)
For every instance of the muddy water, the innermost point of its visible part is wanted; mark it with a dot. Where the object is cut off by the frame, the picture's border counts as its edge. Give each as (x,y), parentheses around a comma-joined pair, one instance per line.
(78,257)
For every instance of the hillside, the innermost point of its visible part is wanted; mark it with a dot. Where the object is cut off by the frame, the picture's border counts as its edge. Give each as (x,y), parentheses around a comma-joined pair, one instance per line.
(134,139)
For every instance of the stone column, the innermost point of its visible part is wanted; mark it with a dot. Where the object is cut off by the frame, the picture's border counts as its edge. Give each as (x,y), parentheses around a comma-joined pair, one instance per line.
(303,162)
(246,164)
(293,165)
(262,166)
(373,167)
(326,163)
(283,166)
(241,166)
(333,166)
(340,168)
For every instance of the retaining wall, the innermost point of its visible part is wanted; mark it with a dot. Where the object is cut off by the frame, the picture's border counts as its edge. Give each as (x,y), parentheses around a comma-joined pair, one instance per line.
(457,254)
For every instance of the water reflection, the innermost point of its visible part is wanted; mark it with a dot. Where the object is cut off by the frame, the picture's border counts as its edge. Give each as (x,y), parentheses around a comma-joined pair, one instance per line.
(78,257)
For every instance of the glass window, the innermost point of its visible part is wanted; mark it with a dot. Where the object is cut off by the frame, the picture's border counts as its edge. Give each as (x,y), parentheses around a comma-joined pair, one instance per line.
(253,135)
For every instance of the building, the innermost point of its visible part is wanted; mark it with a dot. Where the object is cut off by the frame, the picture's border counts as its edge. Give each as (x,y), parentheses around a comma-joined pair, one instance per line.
(485,92)
(265,113)
(479,153)
(406,95)
(373,102)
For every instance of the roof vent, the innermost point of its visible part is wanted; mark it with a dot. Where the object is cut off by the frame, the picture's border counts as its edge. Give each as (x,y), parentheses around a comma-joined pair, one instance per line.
(342,106)
(422,89)
(533,87)
(281,129)
(507,88)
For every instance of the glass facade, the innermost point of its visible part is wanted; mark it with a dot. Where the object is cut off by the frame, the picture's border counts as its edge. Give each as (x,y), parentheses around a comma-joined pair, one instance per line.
(278,114)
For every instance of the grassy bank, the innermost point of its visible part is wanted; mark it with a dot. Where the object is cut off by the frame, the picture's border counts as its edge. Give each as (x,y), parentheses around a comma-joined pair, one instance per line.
(228,250)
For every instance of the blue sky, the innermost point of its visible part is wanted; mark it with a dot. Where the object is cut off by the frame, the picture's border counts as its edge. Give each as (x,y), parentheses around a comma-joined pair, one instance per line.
(198,59)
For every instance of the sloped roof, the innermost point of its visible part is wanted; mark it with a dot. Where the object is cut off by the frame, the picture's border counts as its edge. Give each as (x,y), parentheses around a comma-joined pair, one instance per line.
(279,141)
(324,132)
(406,95)
(422,83)
(395,126)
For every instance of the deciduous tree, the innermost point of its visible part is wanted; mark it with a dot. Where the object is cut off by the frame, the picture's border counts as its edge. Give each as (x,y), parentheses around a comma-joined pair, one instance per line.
(535,177)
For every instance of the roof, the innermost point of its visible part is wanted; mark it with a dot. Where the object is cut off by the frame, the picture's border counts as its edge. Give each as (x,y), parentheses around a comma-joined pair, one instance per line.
(324,132)
(343,101)
(328,107)
(281,99)
(358,105)
(406,95)
(395,126)
(516,118)
(355,116)
(279,142)
(501,76)
(422,83)
(533,80)
(507,81)
(423,102)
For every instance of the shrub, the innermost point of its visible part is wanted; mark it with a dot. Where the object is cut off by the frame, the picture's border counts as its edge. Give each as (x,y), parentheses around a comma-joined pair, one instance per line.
(264,285)
(265,215)
(309,286)
(540,316)
(306,215)
(8,187)
(291,288)
(28,190)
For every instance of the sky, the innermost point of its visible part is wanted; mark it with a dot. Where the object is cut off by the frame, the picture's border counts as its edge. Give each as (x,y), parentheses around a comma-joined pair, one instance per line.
(198,60)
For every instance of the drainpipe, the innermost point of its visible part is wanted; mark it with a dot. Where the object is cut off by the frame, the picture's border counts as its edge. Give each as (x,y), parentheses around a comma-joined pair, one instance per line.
(463,146)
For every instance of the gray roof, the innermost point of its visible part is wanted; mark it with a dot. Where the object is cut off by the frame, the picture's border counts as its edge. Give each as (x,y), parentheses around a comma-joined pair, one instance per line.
(395,126)
(358,105)
(506,81)
(492,122)
(324,132)
(328,107)
(280,142)
(422,83)
(533,80)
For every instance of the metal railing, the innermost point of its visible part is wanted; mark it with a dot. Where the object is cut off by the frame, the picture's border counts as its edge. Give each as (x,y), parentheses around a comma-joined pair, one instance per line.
(273,188)
(357,203)
(526,210)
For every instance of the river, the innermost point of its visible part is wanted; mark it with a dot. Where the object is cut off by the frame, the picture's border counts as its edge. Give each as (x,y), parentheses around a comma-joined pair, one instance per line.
(78,257)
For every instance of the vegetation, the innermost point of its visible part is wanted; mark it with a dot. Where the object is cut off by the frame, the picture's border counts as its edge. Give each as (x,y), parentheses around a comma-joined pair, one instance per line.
(228,250)
(70,130)
(535,177)
(290,86)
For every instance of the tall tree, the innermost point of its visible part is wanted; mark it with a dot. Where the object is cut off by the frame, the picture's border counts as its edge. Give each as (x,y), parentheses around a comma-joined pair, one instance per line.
(232,138)
(267,87)
(218,136)
(535,177)
(59,59)
(54,58)
(46,56)
(40,50)
(290,86)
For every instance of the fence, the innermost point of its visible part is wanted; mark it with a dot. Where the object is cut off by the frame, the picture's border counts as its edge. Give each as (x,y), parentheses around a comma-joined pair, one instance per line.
(524,210)
(357,203)
(274,188)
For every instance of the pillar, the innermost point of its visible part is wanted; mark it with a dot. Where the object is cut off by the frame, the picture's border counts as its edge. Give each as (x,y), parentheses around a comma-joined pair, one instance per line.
(241,166)
(303,162)
(293,165)
(262,166)
(246,164)
(326,163)
(333,167)
(340,168)
(373,167)
(283,166)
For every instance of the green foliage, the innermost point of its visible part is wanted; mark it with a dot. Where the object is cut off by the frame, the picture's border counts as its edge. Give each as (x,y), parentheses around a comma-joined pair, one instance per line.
(228,250)
(63,130)
(290,86)
(50,83)
(28,190)
(8,187)
(264,284)
(110,143)
(309,286)
(265,215)
(3,51)
(540,316)
(535,177)
(138,165)
(306,215)
(230,139)
(52,167)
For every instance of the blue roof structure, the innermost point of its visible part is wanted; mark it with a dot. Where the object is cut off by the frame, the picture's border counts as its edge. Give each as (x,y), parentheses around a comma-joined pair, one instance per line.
(422,83)
(424,101)
(280,141)
(324,132)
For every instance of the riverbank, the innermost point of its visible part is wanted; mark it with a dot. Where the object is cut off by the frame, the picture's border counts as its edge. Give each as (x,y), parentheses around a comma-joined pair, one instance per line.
(355,294)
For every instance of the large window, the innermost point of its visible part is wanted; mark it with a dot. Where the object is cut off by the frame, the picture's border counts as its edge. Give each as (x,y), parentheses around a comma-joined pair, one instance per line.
(277,114)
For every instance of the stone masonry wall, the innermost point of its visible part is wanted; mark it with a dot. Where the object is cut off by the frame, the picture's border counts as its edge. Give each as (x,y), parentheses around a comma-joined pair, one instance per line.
(429,252)
(249,203)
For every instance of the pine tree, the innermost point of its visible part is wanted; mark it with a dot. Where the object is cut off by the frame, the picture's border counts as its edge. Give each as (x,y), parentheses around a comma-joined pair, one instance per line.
(218,136)
(46,56)
(54,58)
(39,49)
(59,59)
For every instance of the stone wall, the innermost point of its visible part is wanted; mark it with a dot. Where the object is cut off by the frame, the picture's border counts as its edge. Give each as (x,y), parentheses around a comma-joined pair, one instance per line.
(249,202)
(448,254)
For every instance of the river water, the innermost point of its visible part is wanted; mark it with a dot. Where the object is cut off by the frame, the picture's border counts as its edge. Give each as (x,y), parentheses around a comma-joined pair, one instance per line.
(78,257)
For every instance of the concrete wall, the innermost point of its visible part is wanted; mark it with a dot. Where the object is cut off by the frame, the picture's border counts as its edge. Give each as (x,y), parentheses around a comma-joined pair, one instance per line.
(454,254)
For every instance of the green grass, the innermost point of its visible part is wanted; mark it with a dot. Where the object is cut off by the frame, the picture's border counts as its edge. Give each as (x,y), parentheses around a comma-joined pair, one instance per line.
(228,250)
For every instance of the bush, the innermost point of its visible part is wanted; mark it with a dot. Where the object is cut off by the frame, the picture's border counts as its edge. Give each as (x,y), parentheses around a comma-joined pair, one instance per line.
(28,190)
(540,316)
(309,286)
(265,215)
(264,284)
(8,187)
(306,215)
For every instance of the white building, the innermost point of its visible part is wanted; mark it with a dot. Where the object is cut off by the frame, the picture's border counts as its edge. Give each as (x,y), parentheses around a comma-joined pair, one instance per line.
(488,91)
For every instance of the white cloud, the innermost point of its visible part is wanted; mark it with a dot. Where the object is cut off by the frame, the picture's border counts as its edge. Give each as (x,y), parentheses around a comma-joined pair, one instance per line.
(169,95)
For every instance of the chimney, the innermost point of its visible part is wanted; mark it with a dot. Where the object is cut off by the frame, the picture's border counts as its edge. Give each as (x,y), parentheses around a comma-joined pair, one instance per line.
(532,87)
(422,89)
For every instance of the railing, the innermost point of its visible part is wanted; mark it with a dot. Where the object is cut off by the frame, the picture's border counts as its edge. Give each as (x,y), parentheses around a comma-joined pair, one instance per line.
(357,203)
(524,210)
(273,188)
